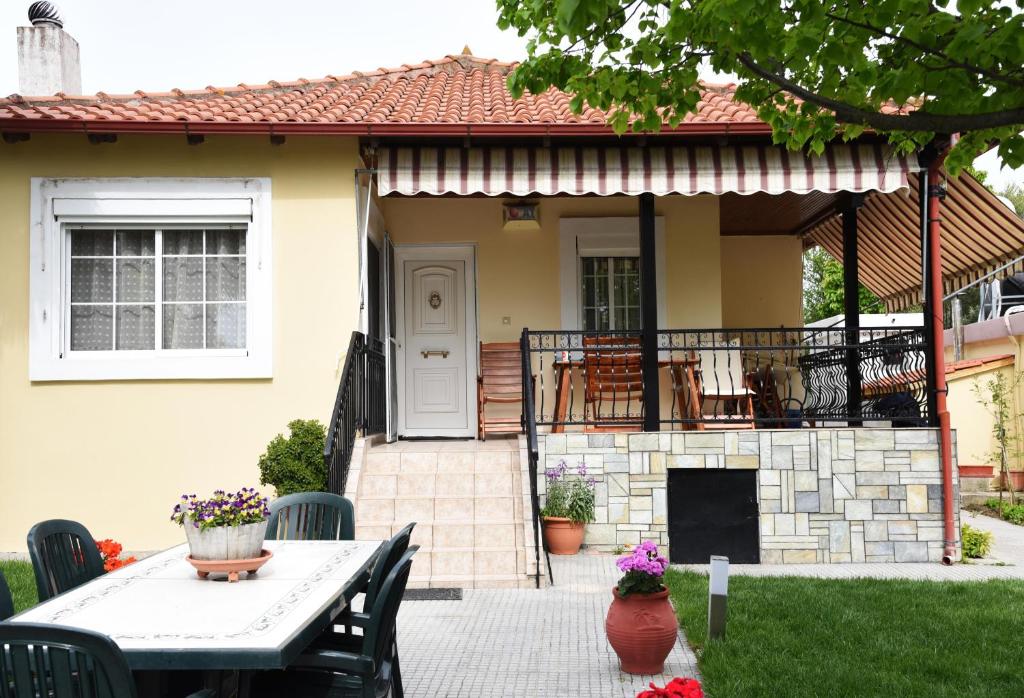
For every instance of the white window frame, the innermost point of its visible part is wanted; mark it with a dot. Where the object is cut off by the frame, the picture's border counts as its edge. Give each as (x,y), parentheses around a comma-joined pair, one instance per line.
(58,205)
(602,237)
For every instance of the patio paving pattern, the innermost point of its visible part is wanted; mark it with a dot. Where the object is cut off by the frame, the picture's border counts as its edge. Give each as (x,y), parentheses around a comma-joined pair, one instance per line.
(524,642)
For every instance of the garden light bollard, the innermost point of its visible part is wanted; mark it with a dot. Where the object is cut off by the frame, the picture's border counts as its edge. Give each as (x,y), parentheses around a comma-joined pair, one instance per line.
(718,591)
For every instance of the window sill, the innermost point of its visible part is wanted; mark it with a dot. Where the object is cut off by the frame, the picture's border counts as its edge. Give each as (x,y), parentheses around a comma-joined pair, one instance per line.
(151,368)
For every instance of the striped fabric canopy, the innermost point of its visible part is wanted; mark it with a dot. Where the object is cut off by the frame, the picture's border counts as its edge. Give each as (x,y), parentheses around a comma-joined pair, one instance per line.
(684,170)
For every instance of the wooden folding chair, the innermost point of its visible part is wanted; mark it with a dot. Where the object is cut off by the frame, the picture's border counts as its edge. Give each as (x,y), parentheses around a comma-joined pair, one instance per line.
(501,382)
(613,383)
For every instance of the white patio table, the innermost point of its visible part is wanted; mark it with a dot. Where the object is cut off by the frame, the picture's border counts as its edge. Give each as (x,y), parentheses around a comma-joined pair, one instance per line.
(163,617)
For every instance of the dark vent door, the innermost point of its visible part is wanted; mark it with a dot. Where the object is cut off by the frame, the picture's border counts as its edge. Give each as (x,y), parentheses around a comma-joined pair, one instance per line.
(712,512)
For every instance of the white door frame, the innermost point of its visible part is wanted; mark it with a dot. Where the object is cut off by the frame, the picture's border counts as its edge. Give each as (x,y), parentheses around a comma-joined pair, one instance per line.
(438,252)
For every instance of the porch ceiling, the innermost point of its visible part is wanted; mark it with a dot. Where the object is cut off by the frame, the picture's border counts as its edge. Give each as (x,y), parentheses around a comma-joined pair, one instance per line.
(979,234)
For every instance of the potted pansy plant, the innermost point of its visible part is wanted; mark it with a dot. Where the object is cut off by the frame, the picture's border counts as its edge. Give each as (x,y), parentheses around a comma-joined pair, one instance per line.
(227,526)
(641,625)
(568,507)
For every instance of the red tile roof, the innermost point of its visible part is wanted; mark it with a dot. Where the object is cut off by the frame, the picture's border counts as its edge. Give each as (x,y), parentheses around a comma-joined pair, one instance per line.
(457,95)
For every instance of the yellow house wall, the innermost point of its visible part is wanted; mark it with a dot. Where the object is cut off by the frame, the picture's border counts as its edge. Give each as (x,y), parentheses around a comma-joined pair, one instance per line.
(762,281)
(116,454)
(518,272)
(973,423)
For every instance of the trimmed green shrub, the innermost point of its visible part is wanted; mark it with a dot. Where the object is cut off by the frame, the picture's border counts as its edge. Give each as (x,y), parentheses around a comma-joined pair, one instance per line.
(296,464)
(976,543)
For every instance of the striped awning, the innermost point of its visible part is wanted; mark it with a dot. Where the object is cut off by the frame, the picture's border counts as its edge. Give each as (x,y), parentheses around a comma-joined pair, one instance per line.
(980,233)
(688,170)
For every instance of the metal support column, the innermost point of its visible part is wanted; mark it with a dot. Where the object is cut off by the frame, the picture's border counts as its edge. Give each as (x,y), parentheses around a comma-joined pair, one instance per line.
(649,315)
(851,305)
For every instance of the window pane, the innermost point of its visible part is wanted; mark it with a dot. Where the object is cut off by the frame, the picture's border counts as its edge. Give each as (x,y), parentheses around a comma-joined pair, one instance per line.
(183,326)
(136,280)
(87,243)
(92,280)
(225,326)
(136,327)
(133,243)
(225,279)
(183,279)
(92,327)
(183,241)
(225,242)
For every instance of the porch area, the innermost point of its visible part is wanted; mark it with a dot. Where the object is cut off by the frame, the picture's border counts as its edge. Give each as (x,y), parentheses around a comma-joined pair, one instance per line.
(646,304)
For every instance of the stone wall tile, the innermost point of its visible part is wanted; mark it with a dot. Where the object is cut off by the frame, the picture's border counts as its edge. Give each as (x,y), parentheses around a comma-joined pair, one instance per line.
(885,506)
(769,477)
(844,485)
(874,439)
(856,544)
(741,462)
(686,461)
(917,499)
(924,461)
(839,536)
(825,501)
(857,509)
(805,481)
(876,531)
(910,552)
(782,457)
(704,440)
(872,492)
(807,502)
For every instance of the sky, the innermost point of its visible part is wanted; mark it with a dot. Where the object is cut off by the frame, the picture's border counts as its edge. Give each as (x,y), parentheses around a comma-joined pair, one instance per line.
(156,45)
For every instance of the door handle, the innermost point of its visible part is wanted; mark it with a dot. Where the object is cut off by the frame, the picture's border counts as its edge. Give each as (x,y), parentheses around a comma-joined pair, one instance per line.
(427,353)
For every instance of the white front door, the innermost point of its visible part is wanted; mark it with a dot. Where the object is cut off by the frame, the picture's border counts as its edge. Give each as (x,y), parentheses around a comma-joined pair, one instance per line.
(438,347)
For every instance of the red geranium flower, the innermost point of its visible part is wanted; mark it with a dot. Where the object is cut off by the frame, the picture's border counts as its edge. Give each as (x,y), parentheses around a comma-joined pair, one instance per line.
(676,688)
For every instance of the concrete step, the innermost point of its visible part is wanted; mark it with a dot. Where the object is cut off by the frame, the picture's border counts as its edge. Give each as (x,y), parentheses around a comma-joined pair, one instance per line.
(395,462)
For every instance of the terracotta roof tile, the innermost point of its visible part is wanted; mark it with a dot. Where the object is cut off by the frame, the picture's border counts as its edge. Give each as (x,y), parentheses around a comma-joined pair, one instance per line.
(452,90)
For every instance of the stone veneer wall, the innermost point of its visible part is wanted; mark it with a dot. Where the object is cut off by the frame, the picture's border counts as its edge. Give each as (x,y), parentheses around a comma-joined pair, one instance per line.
(825,495)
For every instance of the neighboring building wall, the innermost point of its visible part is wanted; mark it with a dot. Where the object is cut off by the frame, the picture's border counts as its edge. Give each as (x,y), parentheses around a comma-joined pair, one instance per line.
(115,455)
(825,495)
(518,271)
(1001,337)
(762,281)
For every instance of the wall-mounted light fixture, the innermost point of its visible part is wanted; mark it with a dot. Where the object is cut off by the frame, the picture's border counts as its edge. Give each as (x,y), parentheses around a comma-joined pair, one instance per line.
(520,215)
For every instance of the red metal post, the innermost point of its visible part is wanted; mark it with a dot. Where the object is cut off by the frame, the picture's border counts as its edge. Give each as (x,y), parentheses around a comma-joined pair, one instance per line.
(935,306)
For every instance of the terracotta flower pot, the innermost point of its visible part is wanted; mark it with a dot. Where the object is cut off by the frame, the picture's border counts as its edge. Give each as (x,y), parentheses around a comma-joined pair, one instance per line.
(562,535)
(642,629)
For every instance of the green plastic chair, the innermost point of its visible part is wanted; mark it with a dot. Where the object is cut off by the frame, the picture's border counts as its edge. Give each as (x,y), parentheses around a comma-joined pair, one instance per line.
(368,672)
(391,552)
(6,600)
(53,660)
(311,516)
(64,555)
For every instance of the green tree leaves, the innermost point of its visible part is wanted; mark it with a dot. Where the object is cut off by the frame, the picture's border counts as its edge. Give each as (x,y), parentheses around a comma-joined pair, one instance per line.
(812,70)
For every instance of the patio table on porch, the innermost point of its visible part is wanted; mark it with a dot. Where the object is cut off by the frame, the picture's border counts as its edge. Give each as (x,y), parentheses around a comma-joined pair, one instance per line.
(163,617)
(681,367)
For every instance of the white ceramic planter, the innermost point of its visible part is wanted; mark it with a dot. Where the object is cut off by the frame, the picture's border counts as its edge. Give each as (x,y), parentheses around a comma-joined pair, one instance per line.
(226,542)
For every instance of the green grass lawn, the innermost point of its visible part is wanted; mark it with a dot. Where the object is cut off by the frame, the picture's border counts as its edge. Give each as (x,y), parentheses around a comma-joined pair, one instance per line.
(789,636)
(22,582)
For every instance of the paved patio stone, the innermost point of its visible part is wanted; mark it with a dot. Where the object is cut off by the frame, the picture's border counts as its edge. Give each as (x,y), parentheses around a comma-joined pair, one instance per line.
(524,642)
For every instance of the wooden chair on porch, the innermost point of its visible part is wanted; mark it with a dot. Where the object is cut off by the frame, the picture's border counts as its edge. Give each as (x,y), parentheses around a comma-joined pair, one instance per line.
(500,382)
(722,379)
(613,383)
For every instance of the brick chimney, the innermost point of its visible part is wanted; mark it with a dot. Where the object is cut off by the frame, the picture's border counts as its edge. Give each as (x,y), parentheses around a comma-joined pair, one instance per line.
(47,55)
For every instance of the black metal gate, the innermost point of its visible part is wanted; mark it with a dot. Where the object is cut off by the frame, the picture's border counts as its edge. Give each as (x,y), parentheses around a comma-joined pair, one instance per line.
(712,512)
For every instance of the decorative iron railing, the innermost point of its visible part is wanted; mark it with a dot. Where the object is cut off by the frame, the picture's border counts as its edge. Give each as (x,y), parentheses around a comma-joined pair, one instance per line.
(731,378)
(360,407)
(532,454)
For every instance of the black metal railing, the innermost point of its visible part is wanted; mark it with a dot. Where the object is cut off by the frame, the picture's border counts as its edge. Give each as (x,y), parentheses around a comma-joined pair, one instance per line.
(740,378)
(532,453)
(359,408)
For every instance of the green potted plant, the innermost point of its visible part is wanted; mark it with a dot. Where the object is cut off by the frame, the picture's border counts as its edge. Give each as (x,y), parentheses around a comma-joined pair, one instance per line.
(568,508)
(227,526)
(641,625)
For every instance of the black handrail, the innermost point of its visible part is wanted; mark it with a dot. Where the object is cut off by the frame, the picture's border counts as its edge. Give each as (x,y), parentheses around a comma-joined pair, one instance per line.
(532,453)
(360,407)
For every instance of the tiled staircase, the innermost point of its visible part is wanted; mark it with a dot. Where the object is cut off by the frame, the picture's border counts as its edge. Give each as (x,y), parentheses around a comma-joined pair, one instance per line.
(467,500)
